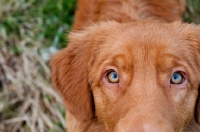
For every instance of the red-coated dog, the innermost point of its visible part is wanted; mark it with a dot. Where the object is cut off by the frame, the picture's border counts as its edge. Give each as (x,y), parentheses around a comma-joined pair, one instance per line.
(129,67)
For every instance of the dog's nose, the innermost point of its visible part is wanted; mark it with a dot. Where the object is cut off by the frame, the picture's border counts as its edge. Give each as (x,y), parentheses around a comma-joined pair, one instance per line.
(143,130)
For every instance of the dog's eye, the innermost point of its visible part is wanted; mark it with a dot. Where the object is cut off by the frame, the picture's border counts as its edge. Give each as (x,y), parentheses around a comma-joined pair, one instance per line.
(177,78)
(112,77)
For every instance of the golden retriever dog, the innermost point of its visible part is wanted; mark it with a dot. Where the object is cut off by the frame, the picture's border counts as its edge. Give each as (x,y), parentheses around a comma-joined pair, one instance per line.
(129,67)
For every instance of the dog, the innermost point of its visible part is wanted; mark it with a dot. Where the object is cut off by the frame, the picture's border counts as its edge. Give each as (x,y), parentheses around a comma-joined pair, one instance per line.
(130,66)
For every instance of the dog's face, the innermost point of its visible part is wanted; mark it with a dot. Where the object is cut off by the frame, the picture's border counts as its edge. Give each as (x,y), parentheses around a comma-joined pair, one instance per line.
(139,76)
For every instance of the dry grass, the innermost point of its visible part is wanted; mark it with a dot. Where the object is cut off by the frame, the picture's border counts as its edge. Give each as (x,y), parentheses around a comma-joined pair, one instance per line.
(27,100)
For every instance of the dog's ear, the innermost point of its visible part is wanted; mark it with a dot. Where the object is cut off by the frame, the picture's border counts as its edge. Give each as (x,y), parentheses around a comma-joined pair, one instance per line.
(70,76)
(193,35)
(197,108)
(70,70)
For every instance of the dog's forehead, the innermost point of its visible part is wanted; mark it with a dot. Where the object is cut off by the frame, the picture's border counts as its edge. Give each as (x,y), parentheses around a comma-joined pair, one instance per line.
(149,37)
(146,43)
(141,40)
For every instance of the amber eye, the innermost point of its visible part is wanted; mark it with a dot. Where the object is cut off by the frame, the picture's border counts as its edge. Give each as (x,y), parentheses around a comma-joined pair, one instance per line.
(112,77)
(177,78)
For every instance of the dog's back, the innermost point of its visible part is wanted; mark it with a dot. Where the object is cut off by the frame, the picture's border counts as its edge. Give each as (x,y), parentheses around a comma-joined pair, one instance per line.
(90,11)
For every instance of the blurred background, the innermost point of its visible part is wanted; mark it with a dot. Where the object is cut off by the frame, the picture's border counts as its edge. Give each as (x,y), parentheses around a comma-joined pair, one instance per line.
(30,31)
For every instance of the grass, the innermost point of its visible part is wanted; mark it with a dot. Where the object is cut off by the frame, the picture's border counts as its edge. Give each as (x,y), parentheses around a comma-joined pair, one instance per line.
(30,30)
(192,13)
(27,29)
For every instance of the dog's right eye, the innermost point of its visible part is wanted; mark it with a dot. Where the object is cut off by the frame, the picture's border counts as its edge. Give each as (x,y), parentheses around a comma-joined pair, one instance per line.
(112,77)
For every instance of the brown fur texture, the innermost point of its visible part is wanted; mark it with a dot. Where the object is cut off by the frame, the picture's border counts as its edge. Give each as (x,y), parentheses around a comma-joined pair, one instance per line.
(89,11)
(145,54)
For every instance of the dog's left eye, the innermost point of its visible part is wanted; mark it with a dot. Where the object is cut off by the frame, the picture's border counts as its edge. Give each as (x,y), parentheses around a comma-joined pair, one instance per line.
(177,78)
(112,77)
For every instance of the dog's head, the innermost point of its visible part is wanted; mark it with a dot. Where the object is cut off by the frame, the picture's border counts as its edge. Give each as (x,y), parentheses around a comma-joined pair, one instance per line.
(132,77)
